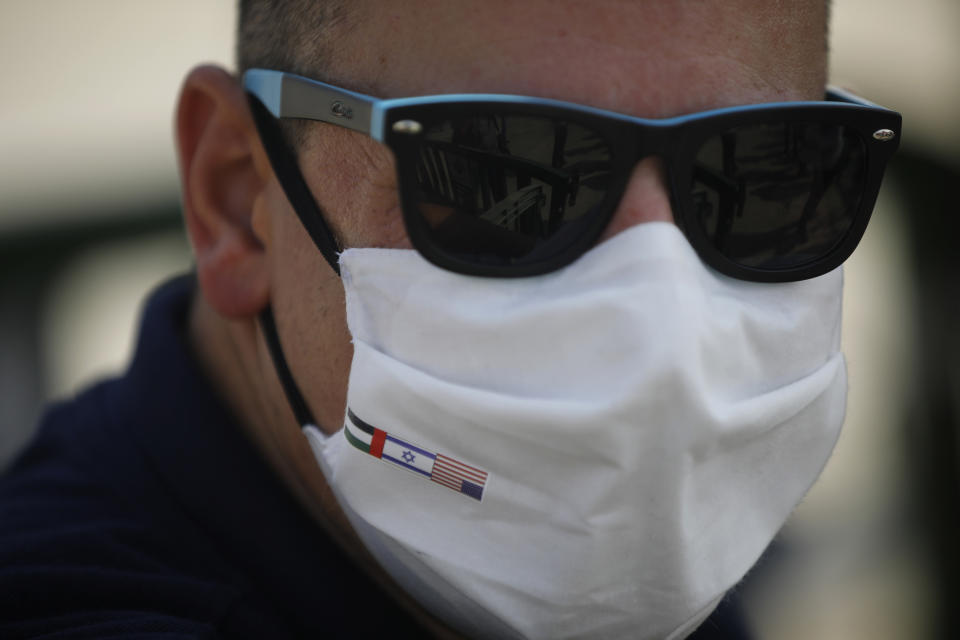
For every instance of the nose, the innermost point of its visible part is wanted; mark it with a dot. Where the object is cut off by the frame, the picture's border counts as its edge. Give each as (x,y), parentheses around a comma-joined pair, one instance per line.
(645,200)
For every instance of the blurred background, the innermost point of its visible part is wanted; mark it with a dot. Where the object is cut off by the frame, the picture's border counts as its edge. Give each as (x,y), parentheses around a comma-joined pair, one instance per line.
(89,223)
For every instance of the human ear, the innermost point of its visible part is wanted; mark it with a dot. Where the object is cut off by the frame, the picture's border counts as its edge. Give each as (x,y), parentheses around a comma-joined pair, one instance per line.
(223,173)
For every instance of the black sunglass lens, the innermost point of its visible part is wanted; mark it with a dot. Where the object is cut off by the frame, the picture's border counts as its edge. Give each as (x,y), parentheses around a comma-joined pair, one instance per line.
(509,190)
(778,196)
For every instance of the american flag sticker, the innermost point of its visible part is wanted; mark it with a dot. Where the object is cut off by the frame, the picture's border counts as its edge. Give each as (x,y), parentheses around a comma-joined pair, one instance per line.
(450,472)
(459,476)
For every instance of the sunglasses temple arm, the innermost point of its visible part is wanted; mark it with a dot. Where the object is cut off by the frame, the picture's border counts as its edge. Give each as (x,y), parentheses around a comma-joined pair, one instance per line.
(285,167)
(287,95)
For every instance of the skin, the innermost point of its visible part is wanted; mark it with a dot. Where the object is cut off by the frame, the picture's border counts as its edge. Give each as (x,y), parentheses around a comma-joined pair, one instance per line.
(650,59)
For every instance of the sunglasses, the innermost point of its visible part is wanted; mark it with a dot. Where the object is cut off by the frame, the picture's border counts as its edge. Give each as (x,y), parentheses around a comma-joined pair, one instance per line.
(508,186)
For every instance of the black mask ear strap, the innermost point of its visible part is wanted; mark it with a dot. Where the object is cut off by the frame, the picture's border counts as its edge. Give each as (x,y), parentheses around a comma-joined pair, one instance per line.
(288,173)
(297,403)
(284,164)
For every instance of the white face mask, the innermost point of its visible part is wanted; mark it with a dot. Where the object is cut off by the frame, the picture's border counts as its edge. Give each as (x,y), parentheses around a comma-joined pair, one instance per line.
(599,452)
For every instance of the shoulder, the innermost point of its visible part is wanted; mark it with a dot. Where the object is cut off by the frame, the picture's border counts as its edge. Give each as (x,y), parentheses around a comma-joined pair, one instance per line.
(140,508)
(78,550)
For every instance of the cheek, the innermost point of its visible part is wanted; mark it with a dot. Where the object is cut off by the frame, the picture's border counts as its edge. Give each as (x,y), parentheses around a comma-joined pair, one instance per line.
(296,262)
(383,228)
(354,181)
(309,310)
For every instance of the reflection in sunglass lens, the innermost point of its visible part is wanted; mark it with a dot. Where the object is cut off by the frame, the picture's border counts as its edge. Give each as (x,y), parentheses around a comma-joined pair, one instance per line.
(777,196)
(509,189)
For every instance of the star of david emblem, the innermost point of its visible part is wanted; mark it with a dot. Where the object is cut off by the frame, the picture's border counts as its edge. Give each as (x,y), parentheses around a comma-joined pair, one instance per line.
(408,457)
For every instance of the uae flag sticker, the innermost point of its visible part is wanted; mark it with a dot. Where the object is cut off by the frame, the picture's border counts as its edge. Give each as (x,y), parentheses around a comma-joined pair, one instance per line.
(451,473)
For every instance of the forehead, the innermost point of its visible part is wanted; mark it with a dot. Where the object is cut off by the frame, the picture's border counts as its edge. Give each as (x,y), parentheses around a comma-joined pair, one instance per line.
(653,58)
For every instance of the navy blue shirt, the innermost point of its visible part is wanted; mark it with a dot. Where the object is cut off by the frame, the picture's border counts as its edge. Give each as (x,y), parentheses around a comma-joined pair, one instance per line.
(140,510)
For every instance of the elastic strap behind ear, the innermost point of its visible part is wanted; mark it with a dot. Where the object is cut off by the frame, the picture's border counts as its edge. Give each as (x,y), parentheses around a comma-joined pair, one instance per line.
(288,173)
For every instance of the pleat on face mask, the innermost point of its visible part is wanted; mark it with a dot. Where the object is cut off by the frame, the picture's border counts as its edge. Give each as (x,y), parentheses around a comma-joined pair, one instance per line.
(600,452)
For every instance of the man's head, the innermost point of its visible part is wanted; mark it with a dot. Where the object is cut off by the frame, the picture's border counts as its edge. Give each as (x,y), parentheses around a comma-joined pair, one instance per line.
(645,59)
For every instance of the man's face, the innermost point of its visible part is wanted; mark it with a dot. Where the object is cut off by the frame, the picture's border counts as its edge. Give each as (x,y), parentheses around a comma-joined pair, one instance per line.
(648,59)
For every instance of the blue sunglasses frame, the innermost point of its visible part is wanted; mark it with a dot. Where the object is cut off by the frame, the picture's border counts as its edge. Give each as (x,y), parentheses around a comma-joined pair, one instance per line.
(398,123)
